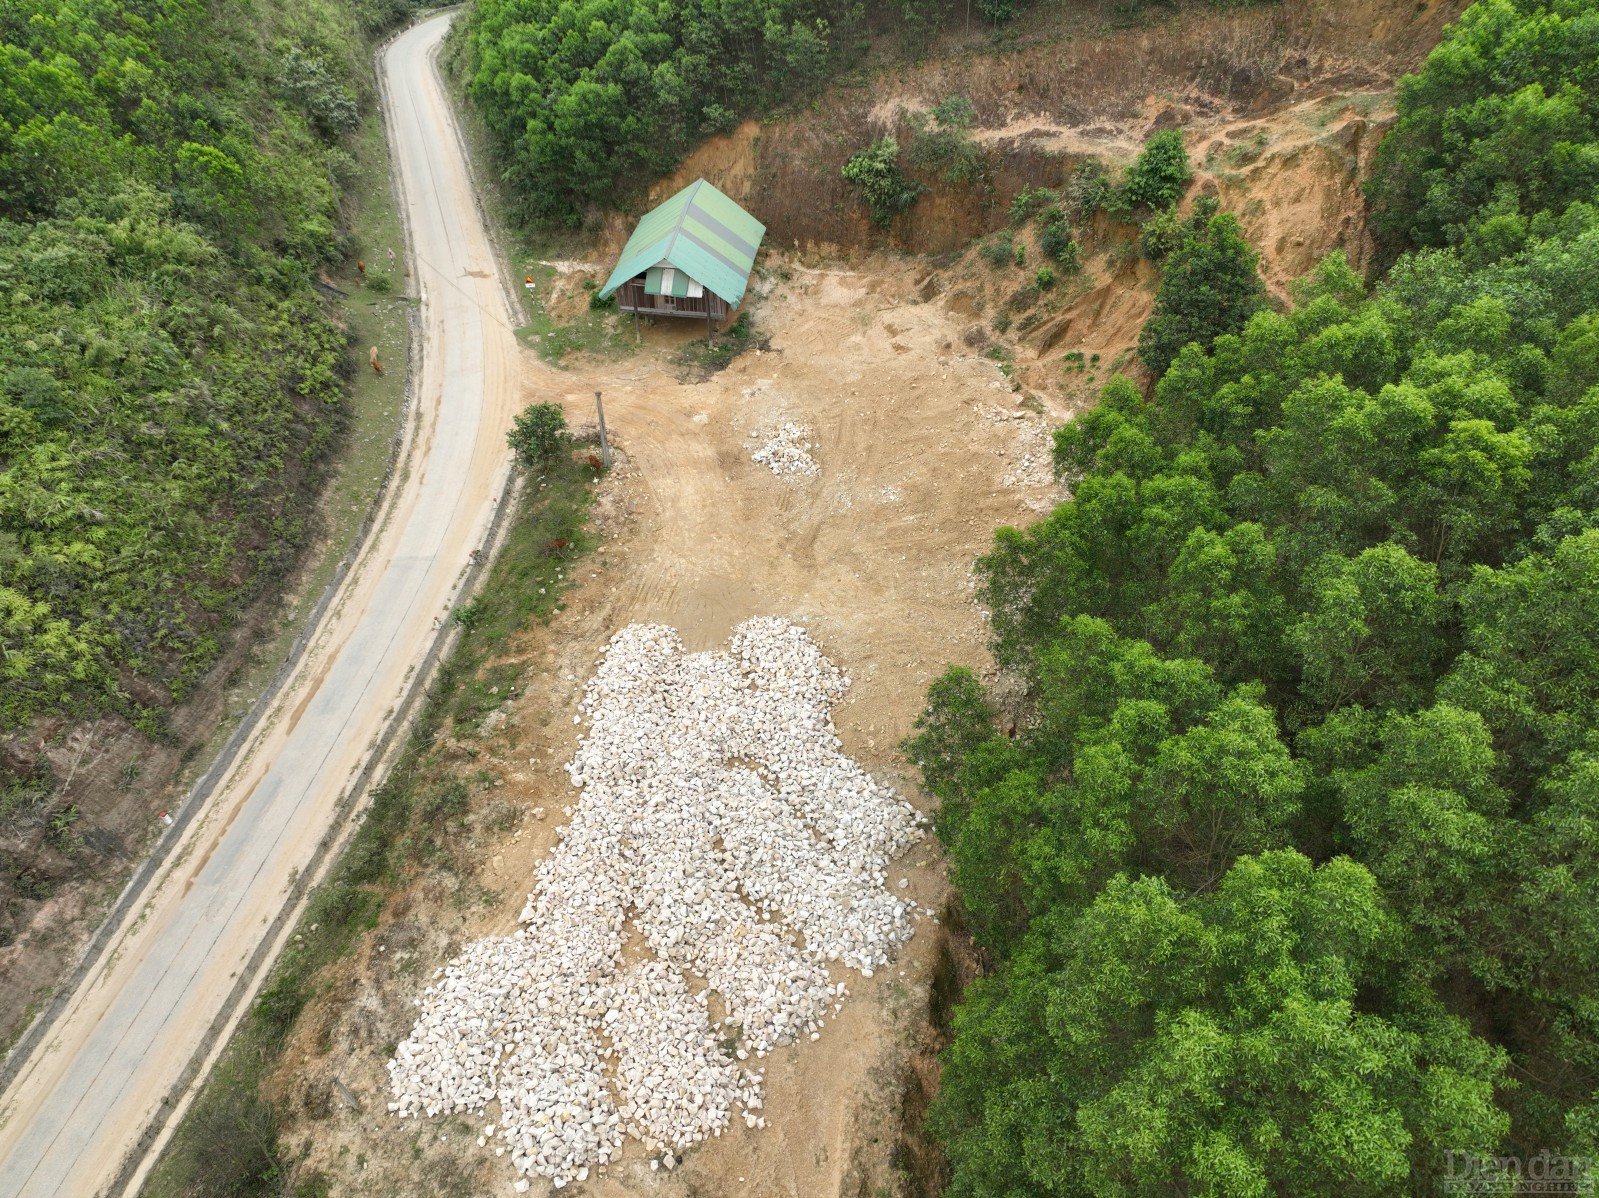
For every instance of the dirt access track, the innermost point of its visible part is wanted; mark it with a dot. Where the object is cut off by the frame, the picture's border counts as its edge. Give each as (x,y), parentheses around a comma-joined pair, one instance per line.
(187,951)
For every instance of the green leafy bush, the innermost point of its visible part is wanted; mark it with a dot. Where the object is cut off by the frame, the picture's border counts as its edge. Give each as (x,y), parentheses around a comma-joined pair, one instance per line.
(946,147)
(311,84)
(538,435)
(1159,175)
(1056,241)
(1030,202)
(876,172)
(1161,234)
(954,112)
(998,250)
(1044,279)
(1089,190)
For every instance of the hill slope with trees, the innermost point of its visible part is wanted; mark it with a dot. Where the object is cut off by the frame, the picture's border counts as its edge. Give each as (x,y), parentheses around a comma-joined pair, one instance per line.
(1287,866)
(589,101)
(170,178)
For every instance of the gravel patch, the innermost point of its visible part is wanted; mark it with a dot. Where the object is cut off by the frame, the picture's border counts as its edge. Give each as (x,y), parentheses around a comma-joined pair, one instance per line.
(787,450)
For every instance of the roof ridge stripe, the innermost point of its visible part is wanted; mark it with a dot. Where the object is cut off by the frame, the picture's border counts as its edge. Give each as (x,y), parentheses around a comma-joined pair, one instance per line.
(719,229)
(688,203)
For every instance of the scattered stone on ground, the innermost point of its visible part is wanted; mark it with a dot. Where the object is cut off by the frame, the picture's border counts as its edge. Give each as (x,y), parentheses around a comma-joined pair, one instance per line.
(723,836)
(786,450)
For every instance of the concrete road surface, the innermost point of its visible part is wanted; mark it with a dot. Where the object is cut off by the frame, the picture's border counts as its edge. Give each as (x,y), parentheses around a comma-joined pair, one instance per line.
(86,1096)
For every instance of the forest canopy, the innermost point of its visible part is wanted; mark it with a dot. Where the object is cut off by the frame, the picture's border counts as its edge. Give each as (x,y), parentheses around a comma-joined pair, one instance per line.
(1286,858)
(170,176)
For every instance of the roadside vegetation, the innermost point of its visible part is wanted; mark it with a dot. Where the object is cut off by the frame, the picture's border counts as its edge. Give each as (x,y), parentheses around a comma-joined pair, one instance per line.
(228,1142)
(1283,859)
(176,399)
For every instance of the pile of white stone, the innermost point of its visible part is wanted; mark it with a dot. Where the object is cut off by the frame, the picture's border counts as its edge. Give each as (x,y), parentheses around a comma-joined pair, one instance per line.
(722,842)
(787,450)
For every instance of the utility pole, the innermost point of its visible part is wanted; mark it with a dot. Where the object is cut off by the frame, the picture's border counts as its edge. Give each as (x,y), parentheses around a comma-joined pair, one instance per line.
(605,445)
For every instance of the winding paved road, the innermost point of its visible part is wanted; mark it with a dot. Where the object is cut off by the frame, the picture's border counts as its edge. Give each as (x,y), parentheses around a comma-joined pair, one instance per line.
(88,1095)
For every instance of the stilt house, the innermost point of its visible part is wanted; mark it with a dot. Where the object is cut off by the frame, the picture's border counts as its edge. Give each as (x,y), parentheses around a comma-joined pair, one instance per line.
(692,256)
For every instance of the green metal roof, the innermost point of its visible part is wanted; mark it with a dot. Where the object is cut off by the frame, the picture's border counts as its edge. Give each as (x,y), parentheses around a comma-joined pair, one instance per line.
(699,232)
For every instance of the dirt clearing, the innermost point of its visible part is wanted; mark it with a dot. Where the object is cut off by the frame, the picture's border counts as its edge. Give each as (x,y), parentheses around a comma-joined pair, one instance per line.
(917,444)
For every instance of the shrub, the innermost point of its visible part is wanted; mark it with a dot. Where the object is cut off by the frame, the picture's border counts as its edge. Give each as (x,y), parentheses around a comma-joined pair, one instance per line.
(1044,279)
(539,435)
(1030,202)
(1160,173)
(954,112)
(998,250)
(1161,234)
(1089,190)
(946,147)
(1055,240)
(875,170)
(306,81)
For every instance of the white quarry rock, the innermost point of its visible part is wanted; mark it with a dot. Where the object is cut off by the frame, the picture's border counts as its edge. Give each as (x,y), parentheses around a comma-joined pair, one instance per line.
(720,841)
(787,450)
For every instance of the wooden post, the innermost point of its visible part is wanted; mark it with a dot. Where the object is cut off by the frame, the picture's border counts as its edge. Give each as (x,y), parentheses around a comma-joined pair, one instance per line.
(350,1100)
(605,445)
(710,329)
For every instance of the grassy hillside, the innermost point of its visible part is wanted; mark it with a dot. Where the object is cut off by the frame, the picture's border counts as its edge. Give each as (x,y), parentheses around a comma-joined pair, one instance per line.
(1286,863)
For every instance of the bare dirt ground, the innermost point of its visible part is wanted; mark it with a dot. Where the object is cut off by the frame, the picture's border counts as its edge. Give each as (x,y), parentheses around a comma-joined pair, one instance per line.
(915,441)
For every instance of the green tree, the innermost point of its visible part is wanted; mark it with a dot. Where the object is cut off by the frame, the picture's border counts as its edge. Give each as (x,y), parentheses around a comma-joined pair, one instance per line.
(538,435)
(1531,664)
(1210,286)
(1498,124)
(1329,586)
(1371,632)
(1217,1045)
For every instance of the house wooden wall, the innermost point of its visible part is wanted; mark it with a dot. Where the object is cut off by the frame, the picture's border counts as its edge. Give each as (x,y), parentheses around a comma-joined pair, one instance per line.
(630,297)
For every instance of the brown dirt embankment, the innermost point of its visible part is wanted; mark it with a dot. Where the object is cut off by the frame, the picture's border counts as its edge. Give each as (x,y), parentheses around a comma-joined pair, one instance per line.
(1065,85)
